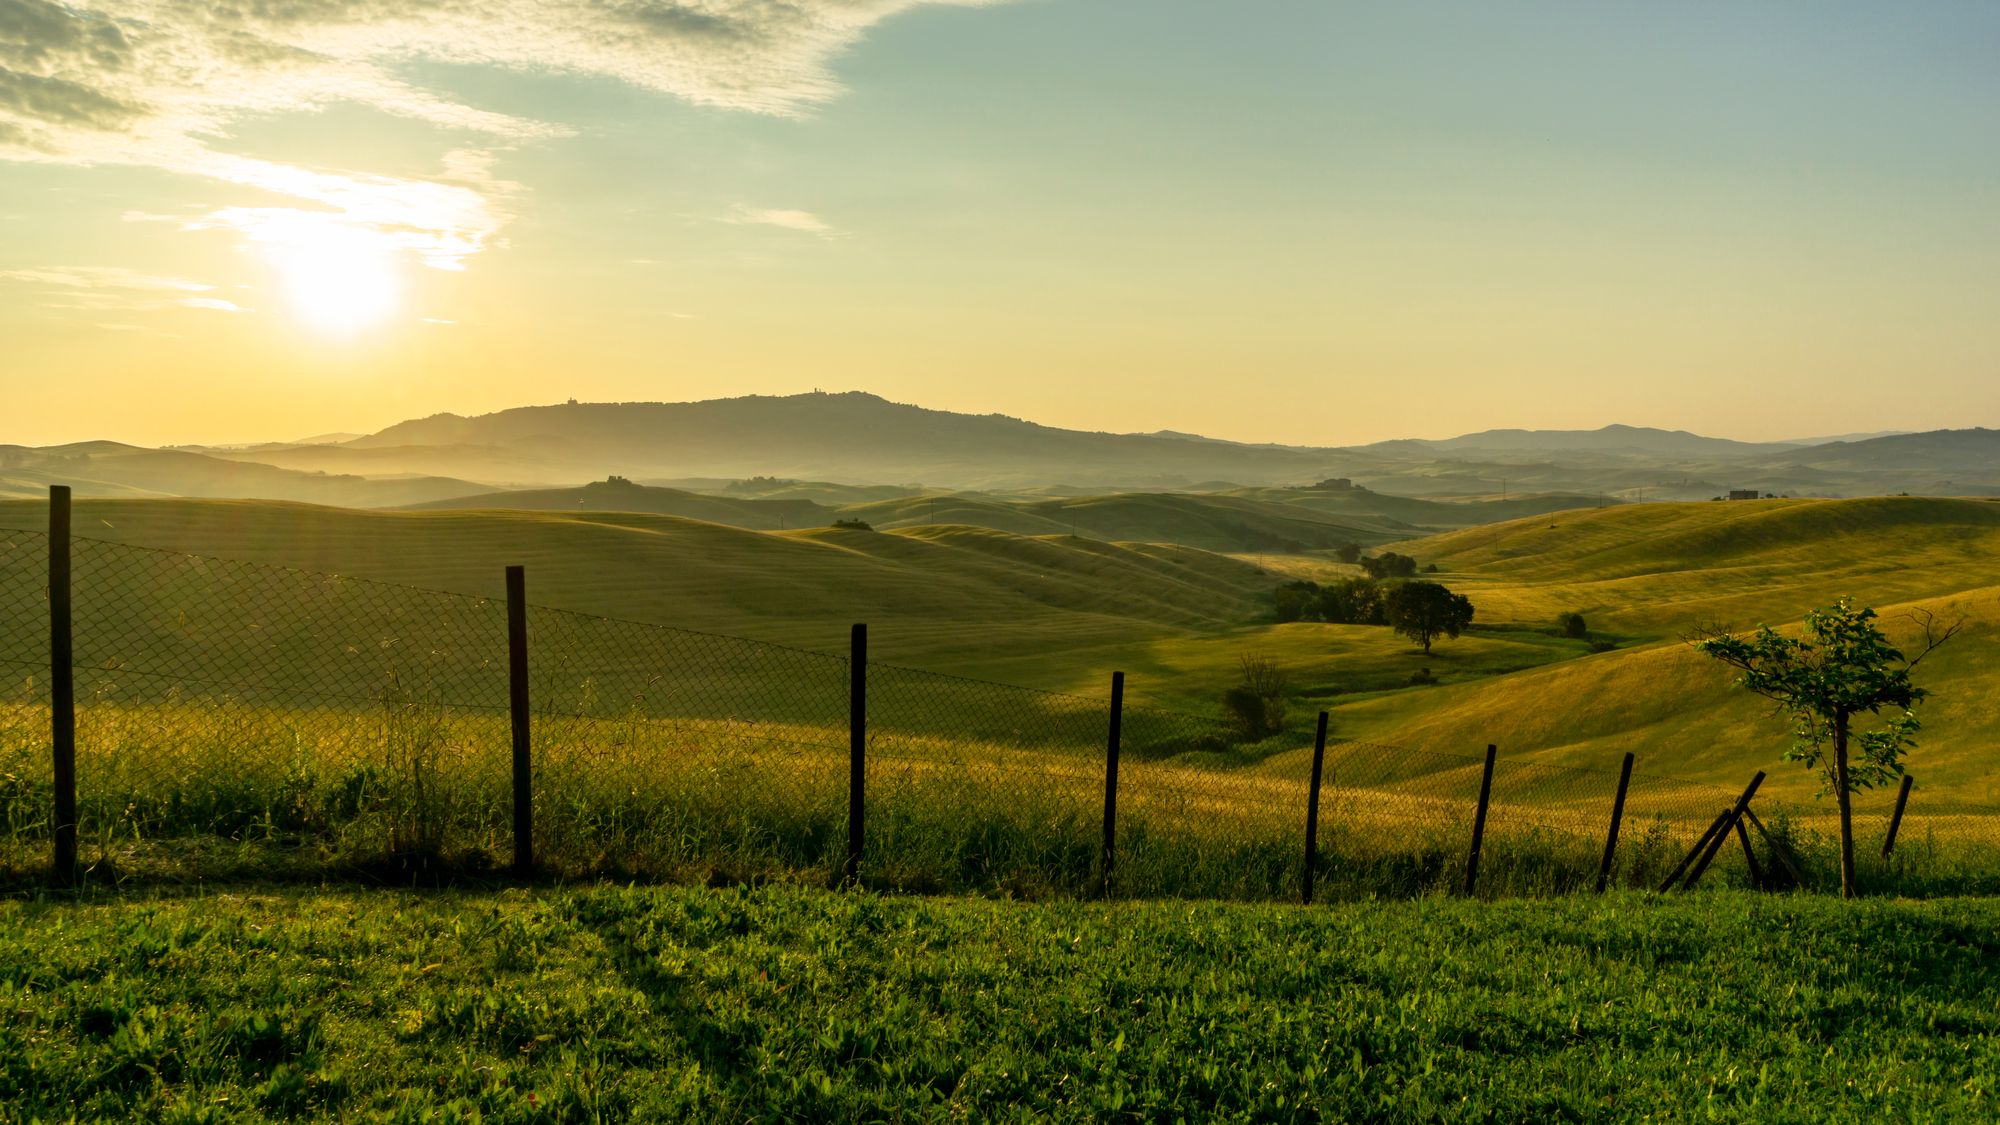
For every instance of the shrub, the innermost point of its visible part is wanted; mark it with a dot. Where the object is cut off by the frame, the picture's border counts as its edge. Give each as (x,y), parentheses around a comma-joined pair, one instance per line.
(1258,702)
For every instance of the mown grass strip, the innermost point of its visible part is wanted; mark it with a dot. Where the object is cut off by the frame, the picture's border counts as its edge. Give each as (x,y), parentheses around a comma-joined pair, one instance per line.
(783,1003)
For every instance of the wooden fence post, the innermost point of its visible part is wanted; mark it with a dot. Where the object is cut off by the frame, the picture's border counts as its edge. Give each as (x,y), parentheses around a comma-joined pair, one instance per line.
(1714,826)
(518,710)
(1312,810)
(1617,817)
(1750,856)
(1479,821)
(857,745)
(1722,837)
(1111,781)
(62,684)
(1896,818)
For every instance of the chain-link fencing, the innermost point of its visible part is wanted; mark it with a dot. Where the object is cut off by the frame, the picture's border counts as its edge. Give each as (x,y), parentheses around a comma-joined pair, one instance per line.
(246,720)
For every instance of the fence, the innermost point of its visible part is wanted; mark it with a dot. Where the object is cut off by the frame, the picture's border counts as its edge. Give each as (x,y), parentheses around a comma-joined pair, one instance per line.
(234,719)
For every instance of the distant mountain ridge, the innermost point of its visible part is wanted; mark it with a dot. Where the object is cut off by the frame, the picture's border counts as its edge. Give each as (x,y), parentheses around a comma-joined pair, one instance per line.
(851,436)
(1608,439)
(860,439)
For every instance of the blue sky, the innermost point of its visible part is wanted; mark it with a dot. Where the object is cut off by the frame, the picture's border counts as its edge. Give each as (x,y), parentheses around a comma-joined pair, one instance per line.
(1303,222)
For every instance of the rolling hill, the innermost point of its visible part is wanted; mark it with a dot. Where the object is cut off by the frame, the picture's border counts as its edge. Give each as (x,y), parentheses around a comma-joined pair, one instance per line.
(955,598)
(1648,573)
(107,468)
(853,436)
(620,495)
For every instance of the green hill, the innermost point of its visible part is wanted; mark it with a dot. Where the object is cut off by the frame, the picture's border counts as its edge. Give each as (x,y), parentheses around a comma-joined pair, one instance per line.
(1211,522)
(948,597)
(1657,569)
(620,495)
(1419,512)
(1650,572)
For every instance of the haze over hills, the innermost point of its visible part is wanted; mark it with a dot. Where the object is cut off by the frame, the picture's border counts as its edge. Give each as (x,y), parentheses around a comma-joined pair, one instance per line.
(854,439)
(108,469)
(1613,439)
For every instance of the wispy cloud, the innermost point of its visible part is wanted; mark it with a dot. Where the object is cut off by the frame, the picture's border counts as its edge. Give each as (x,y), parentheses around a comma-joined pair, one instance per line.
(803,221)
(97,290)
(105,277)
(154,82)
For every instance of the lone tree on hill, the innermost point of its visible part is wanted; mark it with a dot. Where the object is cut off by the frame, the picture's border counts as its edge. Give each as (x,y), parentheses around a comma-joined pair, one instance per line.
(1842,668)
(1424,611)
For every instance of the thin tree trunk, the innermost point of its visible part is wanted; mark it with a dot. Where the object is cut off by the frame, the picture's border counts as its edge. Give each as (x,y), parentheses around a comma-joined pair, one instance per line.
(1846,805)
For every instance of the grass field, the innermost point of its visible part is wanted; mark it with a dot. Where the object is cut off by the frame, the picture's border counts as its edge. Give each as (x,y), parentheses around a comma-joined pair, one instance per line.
(782,1004)
(1060,612)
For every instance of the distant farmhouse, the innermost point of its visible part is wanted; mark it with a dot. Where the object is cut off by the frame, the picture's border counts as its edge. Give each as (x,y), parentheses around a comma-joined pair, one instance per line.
(1332,484)
(1743,494)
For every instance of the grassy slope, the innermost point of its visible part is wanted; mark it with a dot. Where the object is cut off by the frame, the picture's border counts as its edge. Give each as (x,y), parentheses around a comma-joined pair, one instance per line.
(1061,612)
(779,1004)
(1653,571)
(948,596)
(1361,503)
(602,496)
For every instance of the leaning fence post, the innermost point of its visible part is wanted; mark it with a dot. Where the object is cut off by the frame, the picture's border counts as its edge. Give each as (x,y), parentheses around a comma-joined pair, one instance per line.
(857,745)
(62,684)
(1700,845)
(1617,816)
(1479,821)
(1896,818)
(1312,810)
(1750,856)
(1111,781)
(517,706)
(1722,837)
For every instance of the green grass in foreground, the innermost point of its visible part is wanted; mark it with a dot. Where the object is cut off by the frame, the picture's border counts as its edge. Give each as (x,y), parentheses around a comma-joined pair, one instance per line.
(786,1004)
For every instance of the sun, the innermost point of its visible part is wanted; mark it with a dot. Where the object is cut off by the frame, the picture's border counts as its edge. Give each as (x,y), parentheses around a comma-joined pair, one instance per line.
(339,279)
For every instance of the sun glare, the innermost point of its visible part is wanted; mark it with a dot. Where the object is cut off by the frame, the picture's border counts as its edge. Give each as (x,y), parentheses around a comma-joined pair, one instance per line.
(338,279)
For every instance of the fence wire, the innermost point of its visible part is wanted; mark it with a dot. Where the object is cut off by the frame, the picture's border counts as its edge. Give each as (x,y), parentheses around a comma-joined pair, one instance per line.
(239,718)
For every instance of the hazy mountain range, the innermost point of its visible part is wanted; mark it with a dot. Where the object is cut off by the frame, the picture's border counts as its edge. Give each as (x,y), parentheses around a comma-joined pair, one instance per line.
(861,439)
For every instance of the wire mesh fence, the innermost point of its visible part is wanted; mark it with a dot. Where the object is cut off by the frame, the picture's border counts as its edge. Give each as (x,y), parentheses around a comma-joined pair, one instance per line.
(237,719)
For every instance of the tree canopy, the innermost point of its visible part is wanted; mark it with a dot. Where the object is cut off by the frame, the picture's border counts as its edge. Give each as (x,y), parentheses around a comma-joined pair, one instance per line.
(1840,669)
(1425,611)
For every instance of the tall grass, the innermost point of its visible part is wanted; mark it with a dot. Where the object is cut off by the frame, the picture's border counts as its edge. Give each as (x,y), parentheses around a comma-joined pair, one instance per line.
(408,788)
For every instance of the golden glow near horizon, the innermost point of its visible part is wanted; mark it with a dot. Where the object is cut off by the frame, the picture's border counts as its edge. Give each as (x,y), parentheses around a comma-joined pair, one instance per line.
(1263,221)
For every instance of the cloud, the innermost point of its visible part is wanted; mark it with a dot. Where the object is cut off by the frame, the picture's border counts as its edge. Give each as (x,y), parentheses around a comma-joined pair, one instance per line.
(156,83)
(105,277)
(97,289)
(804,221)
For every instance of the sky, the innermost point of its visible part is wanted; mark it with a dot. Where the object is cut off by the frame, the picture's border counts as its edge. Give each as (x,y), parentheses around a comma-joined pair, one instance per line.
(1267,220)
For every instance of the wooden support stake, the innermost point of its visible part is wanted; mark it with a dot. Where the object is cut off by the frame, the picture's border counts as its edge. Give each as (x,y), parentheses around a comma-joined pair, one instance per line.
(1617,817)
(1779,851)
(1715,845)
(62,684)
(517,705)
(857,746)
(1312,810)
(1714,826)
(1111,781)
(1896,818)
(1750,857)
(1479,821)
